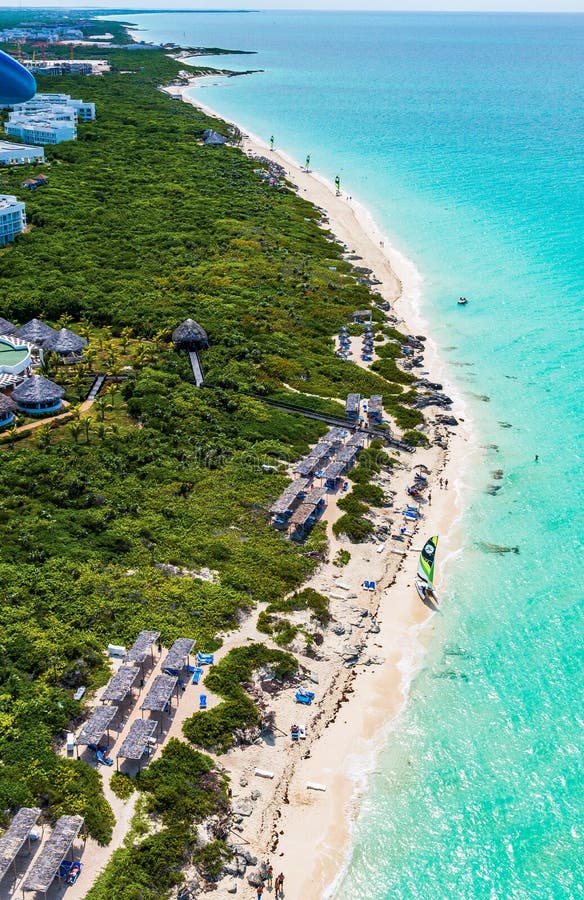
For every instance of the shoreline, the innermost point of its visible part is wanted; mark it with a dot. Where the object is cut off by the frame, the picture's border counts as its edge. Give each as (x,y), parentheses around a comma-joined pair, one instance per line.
(352,730)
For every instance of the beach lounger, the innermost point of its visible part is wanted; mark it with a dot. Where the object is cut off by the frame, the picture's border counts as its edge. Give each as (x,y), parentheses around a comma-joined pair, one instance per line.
(190,669)
(371,586)
(203,701)
(409,514)
(303,696)
(205,659)
(197,675)
(412,508)
(103,759)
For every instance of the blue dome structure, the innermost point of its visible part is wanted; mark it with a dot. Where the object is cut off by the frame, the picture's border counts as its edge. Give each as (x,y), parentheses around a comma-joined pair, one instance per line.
(16,83)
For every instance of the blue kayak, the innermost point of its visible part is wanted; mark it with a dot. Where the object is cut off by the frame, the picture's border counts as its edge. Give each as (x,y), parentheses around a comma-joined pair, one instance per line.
(16,83)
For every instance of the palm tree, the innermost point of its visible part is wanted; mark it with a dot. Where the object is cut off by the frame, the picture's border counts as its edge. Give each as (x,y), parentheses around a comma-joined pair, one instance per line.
(75,428)
(12,433)
(125,338)
(87,423)
(102,431)
(44,436)
(64,320)
(48,367)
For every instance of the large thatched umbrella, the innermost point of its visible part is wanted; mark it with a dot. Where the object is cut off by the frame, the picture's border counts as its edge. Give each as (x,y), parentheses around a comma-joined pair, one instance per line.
(65,343)
(35,332)
(190,336)
(38,395)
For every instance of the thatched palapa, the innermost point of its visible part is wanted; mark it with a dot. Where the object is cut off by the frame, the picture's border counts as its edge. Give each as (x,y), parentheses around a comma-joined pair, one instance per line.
(137,739)
(142,646)
(36,332)
(12,841)
(37,389)
(65,343)
(47,863)
(289,496)
(7,405)
(178,655)
(97,725)
(120,684)
(160,693)
(189,335)
(6,327)
(214,138)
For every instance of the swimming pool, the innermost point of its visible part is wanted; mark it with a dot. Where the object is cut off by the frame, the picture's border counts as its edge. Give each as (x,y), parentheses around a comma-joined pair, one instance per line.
(14,357)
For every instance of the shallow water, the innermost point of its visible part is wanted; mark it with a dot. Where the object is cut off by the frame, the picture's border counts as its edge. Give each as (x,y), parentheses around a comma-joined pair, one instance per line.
(463,134)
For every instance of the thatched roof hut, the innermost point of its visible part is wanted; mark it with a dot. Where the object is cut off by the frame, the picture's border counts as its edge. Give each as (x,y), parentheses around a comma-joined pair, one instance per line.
(65,343)
(6,327)
(7,406)
(38,394)
(35,332)
(189,335)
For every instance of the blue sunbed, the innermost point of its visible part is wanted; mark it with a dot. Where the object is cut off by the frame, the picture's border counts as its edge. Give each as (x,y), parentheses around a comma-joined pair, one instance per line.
(203,701)
(197,675)
(305,697)
(104,760)
(204,659)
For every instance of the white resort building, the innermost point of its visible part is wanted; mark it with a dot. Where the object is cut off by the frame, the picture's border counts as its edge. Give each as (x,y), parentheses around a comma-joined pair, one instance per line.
(41,130)
(12,218)
(48,118)
(20,154)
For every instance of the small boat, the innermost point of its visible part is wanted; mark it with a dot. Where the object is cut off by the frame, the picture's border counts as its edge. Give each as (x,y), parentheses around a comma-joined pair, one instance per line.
(462,301)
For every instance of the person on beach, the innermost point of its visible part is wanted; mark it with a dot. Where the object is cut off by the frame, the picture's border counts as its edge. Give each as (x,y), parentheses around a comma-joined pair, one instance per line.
(430,499)
(279,885)
(260,890)
(440,483)
(270,875)
(446,484)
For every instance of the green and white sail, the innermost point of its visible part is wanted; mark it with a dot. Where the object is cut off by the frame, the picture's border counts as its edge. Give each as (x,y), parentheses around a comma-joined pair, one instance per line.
(427,559)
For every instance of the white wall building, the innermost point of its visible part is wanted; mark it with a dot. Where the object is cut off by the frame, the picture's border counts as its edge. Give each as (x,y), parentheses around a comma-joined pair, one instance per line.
(20,154)
(41,130)
(12,218)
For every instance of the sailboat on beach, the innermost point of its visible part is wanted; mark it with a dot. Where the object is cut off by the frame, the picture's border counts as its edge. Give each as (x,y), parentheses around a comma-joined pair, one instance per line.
(425,573)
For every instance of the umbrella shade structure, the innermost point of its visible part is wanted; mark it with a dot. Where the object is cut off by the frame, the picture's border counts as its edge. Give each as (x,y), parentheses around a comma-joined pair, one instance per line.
(12,841)
(137,739)
(178,655)
(120,684)
(97,725)
(64,343)
(214,138)
(141,647)
(36,332)
(189,335)
(46,866)
(160,694)
(16,83)
(37,395)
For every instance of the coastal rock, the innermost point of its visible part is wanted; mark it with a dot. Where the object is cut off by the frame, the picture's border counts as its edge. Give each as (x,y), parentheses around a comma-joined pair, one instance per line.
(254,878)
(447,420)
(255,795)
(243,808)
(230,869)
(243,781)
(232,887)
(338,628)
(312,676)
(373,661)
(374,628)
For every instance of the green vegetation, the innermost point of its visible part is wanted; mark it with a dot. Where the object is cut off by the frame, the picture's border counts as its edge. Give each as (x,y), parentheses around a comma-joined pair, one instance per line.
(180,788)
(282,630)
(342,558)
(215,729)
(355,506)
(122,785)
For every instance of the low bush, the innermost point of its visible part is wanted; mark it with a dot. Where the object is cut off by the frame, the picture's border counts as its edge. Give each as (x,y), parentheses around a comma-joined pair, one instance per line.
(122,785)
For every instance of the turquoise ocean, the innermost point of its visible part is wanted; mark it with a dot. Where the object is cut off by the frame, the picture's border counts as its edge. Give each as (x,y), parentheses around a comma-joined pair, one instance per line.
(464,136)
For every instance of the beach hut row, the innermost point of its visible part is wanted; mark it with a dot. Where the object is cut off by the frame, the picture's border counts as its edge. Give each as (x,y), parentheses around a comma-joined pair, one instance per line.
(120,690)
(301,504)
(51,861)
